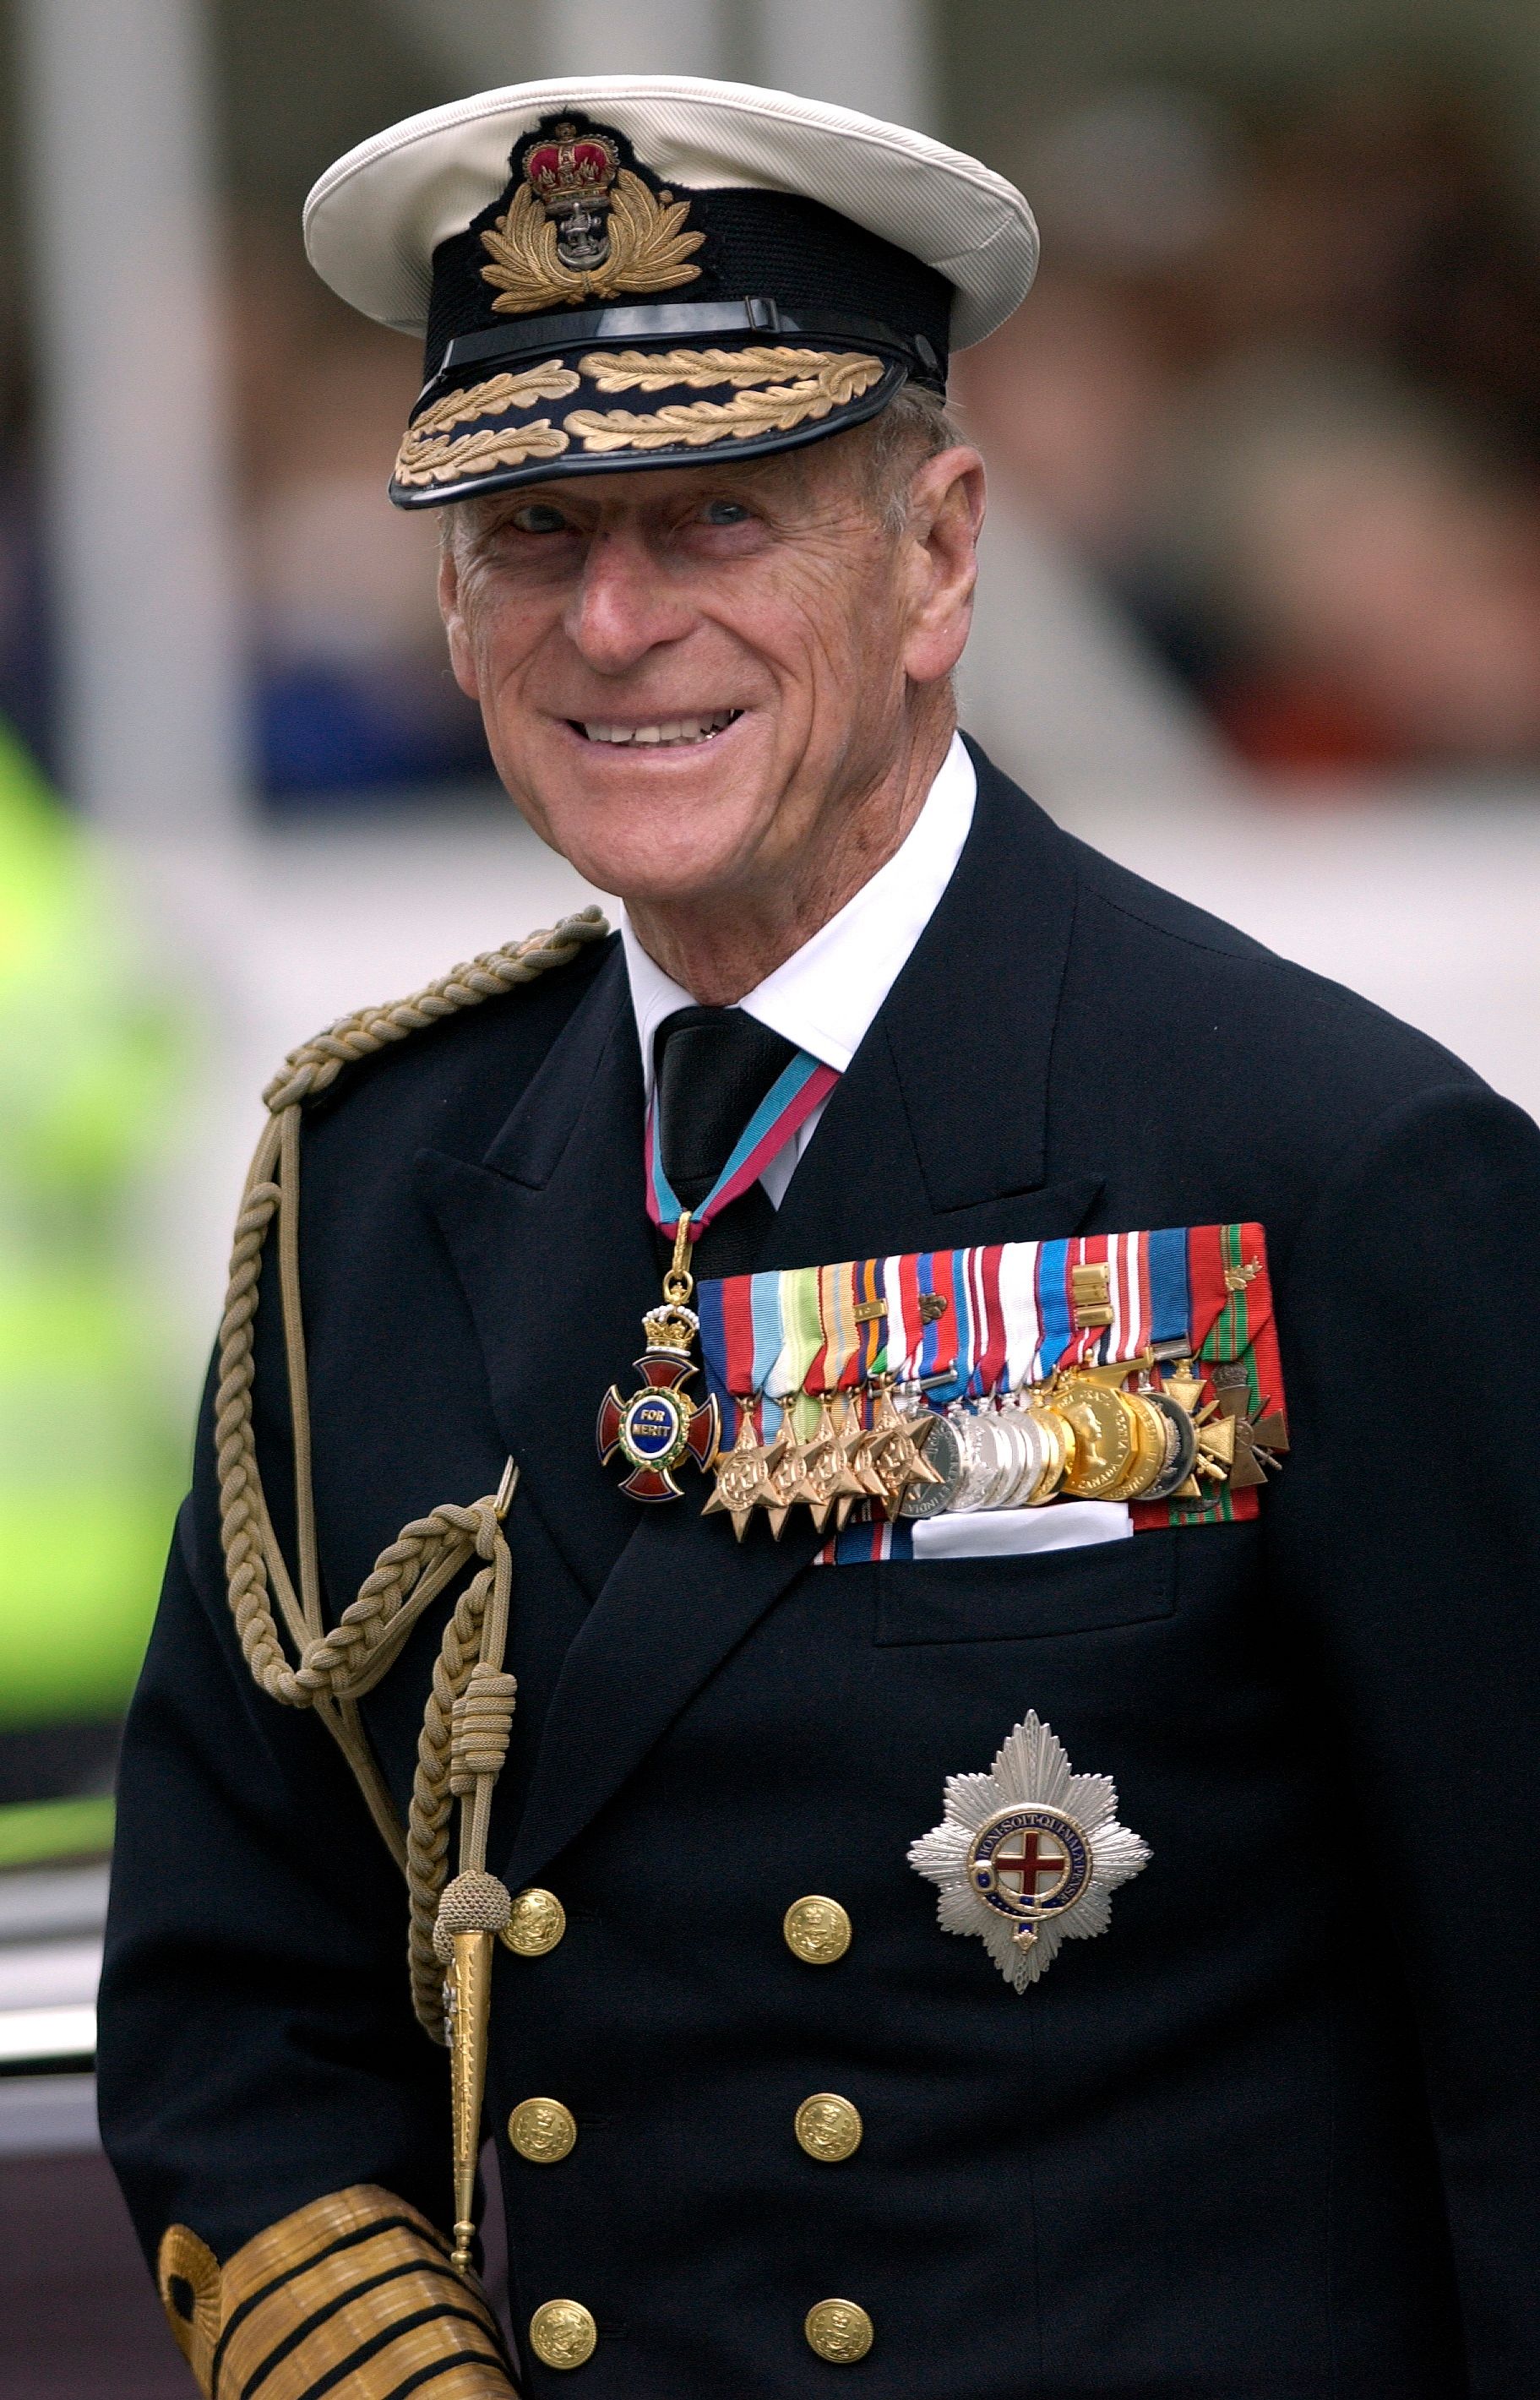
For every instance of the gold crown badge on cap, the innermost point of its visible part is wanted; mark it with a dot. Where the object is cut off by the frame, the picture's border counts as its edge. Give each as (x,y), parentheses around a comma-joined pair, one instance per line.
(581,226)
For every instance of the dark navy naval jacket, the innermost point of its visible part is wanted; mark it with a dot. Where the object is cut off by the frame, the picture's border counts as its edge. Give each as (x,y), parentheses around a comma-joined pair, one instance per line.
(1276,2135)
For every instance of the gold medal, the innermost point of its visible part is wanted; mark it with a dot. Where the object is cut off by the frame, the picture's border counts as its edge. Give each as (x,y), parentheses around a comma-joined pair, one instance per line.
(1152,1449)
(741,1472)
(826,1474)
(1060,1435)
(1106,1435)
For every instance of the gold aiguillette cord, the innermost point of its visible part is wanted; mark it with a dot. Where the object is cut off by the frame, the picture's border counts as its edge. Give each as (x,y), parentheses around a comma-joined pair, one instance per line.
(475,1906)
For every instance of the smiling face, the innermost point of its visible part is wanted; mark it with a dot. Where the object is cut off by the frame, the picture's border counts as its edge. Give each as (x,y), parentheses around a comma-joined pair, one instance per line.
(699,683)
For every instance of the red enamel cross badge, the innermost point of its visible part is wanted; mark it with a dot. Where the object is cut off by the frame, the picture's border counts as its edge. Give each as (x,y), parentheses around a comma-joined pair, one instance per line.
(660,1427)
(1035,1864)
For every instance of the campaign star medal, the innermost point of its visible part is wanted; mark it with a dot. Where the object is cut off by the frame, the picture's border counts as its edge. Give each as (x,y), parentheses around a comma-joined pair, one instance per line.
(890,1456)
(829,1484)
(816,1473)
(660,1427)
(1027,1856)
(743,1472)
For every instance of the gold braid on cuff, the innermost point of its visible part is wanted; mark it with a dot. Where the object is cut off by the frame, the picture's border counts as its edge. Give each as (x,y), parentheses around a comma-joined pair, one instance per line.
(353,2292)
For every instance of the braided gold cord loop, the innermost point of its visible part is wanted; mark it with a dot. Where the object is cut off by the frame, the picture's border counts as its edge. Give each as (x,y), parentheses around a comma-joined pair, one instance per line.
(332,1669)
(428,1819)
(481,1725)
(317,1063)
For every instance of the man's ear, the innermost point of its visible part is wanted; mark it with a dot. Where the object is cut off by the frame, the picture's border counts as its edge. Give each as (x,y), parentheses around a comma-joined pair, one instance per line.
(462,656)
(946,516)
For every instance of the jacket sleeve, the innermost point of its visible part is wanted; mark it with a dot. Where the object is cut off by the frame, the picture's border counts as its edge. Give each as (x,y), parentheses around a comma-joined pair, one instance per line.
(1406,1529)
(267,2098)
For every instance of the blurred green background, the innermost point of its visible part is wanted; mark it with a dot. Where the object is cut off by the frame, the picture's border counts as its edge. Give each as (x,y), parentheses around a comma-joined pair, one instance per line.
(90,1448)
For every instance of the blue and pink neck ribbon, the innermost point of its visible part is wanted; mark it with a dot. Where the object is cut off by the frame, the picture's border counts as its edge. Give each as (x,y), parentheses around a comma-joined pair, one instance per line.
(798,1090)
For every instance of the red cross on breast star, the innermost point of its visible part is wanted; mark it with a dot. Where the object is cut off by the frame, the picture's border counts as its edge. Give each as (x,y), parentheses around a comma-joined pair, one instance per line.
(1033,1858)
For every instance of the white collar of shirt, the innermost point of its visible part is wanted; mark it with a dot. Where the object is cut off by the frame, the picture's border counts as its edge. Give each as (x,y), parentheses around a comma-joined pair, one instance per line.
(825,995)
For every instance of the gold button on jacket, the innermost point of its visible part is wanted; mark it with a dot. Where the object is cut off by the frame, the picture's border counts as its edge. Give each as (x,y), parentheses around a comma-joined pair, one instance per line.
(828,2127)
(543,2131)
(817,1930)
(562,2334)
(536,1923)
(840,2331)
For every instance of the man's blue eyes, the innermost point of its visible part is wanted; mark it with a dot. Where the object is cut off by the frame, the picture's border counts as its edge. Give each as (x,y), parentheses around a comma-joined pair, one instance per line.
(539,519)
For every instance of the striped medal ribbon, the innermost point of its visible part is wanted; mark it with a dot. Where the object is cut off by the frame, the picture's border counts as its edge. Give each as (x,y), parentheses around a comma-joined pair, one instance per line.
(960,1329)
(961,1325)
(791,1099)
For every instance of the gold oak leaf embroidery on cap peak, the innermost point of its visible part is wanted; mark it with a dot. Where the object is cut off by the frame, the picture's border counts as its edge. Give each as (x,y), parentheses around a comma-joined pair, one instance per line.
(452,458)
(777,409)
(647,251)
(660,369)
(429,455)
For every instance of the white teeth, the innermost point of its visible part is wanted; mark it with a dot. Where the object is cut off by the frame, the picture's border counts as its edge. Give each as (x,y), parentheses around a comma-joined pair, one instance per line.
(679,729)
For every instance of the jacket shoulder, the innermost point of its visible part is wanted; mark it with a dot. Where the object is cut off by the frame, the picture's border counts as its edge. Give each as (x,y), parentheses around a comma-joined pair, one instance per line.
(1281,1013)
(1233,1080)
(456,1055)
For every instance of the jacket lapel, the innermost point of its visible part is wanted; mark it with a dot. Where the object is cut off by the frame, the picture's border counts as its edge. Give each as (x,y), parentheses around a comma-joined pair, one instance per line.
(935,1137)
(557,1260)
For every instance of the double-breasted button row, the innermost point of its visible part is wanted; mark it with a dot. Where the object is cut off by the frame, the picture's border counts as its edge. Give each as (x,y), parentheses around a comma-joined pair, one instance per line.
(827,2126)
(828,2129)
(562,2334)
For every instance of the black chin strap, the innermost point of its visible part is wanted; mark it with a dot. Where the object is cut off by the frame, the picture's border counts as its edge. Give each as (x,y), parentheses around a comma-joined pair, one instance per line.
(666,320)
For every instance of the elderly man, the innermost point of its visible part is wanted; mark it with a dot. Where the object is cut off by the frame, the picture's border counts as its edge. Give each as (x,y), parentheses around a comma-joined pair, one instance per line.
(966,1819)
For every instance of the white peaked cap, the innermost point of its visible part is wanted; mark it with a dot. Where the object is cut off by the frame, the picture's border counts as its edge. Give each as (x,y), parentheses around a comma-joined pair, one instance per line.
(373,221)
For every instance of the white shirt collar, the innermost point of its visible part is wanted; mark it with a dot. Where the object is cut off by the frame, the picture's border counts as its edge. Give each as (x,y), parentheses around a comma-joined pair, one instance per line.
(825,995)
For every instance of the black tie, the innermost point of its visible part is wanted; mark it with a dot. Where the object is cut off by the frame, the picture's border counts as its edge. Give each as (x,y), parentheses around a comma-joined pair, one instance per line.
(713,1066)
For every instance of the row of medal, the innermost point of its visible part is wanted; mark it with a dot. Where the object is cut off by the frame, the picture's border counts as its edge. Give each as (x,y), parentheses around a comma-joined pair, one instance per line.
(1081,1436)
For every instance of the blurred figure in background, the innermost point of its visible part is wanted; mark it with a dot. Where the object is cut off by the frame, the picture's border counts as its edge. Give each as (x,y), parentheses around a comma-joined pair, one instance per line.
(351,691)
(1283,373)
(1282,386)
(89,1466)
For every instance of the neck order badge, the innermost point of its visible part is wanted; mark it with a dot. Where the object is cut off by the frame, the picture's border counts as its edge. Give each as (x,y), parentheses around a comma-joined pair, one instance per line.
(661,1425)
